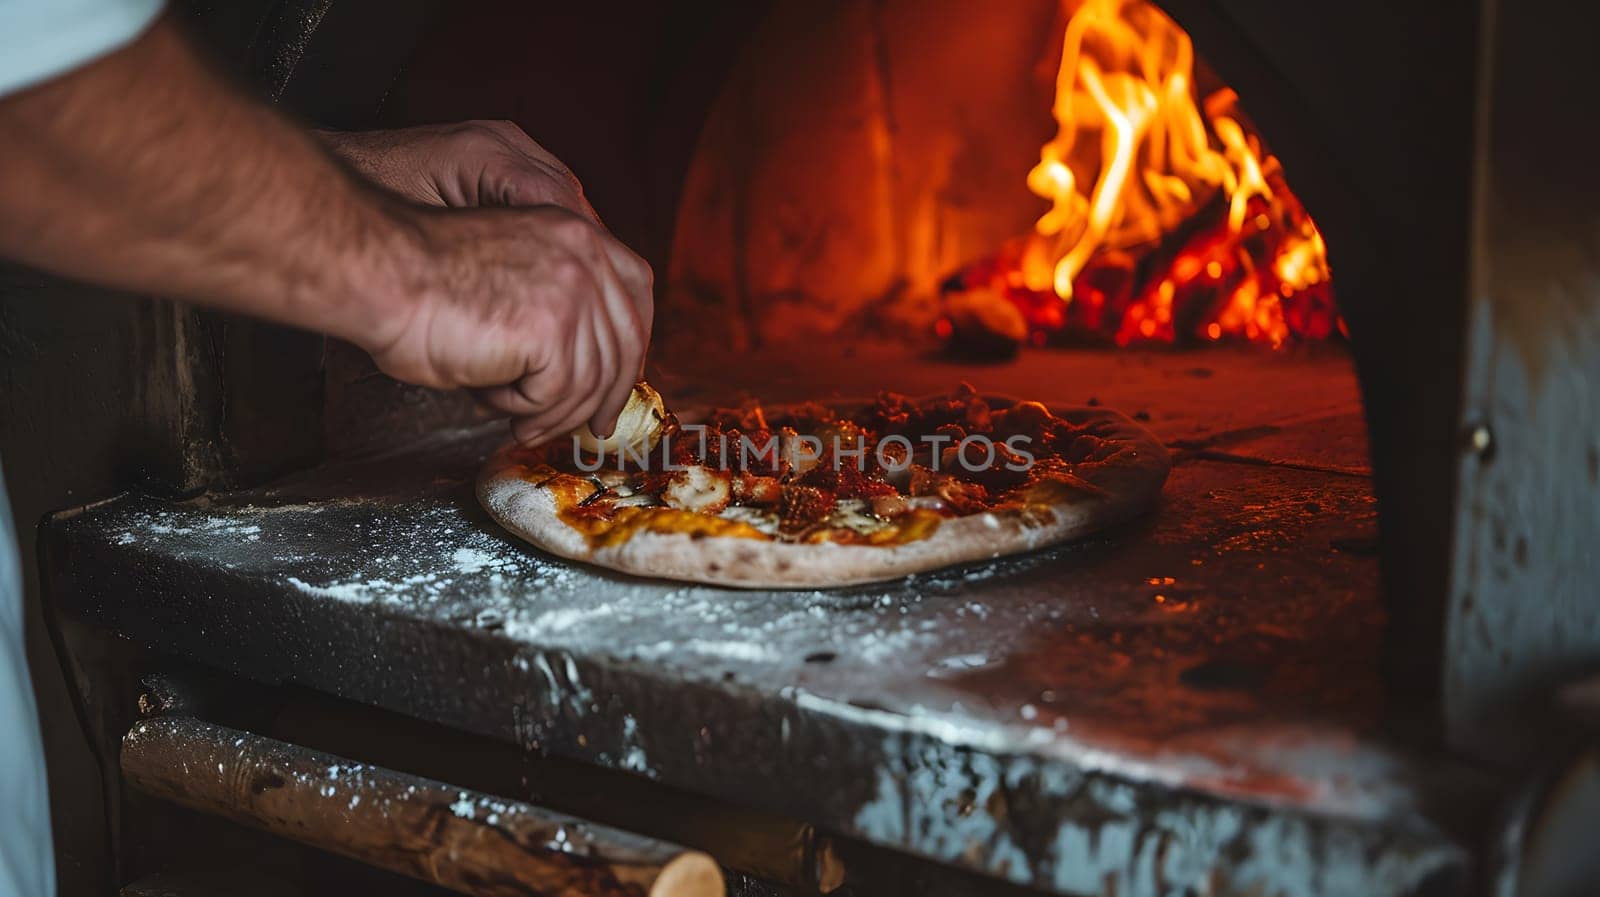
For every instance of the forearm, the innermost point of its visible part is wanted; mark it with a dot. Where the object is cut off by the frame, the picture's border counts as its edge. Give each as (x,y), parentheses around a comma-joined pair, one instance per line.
(144,172)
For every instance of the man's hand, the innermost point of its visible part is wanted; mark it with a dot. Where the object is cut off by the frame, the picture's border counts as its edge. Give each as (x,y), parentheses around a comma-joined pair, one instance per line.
(540,311)
(142,171)
(474,163)
(548,345)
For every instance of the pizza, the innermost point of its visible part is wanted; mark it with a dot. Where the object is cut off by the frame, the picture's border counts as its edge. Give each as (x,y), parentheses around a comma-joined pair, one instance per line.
(821,494)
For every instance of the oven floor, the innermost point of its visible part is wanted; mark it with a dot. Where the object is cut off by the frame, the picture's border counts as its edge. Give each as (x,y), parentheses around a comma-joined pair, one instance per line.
(1191,699)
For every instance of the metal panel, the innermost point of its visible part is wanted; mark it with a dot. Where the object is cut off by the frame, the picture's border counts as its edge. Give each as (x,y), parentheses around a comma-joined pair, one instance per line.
(1370,105)
(1525,587)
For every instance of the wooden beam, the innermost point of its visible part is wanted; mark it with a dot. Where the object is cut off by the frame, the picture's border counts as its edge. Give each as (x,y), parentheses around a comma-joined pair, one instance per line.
(468,841)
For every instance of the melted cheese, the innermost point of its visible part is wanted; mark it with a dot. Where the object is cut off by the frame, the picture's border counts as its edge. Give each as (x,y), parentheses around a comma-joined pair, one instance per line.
(605,523)
(617,528)
(852,515)
(763,520)
(915,526)
(608,523)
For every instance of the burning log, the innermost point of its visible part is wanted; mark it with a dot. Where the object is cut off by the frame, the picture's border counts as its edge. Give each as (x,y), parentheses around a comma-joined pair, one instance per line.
(1199,283)
(985,322)
(464,840)
(1169,220)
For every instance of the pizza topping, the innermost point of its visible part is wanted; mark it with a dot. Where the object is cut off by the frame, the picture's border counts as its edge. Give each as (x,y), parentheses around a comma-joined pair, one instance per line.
(846,481)
(1028,419)
(610,478)
(755,450)
(751,489)
(853,515)
(697,488)
(802,507)
(1006,470)
(891,505)
(1084,448)
(638,427)
(797,453)
(898,414)
(636,500)
(629,521)
(959,495)
(809,473)
(763,520)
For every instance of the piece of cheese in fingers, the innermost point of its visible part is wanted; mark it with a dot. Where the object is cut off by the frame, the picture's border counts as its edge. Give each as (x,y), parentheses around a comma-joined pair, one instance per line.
(638,427)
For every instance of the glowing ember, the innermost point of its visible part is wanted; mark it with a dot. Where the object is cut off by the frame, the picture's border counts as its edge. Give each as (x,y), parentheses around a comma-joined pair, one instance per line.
(1169,221)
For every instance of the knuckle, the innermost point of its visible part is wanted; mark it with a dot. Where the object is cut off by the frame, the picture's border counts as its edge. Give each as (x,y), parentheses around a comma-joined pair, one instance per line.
(507,127)
(555,334)
(634,266)
(567,271)
(644,271)
(470,133)
(510,190)
(531,390)
(579,231)
(630,338)
(492,126)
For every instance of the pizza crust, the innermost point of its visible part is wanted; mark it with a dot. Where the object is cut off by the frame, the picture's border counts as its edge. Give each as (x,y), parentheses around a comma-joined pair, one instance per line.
(1130,484)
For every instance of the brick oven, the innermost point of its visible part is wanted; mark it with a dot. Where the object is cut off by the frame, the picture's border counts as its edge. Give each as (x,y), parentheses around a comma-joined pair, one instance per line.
(1340,258)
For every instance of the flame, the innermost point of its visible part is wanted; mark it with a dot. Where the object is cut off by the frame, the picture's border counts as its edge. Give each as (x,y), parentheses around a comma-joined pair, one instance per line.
(1135,163)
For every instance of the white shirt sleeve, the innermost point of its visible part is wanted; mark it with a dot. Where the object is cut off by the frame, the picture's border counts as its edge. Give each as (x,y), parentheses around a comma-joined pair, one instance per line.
(27,865)
(40,39)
